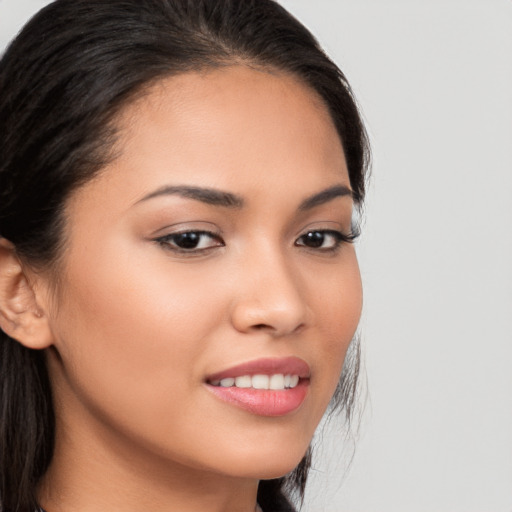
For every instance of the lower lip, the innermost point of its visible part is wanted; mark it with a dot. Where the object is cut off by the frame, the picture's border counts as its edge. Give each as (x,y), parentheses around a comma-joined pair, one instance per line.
(264,402)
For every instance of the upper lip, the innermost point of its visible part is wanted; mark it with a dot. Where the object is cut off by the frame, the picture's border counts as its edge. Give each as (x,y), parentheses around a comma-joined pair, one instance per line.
(266,366)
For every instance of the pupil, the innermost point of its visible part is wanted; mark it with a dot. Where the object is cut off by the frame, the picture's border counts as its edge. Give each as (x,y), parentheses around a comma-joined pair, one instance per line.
(314,239)
(187,240)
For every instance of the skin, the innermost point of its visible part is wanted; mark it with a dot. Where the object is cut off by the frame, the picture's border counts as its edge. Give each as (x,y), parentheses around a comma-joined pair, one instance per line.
(136,326)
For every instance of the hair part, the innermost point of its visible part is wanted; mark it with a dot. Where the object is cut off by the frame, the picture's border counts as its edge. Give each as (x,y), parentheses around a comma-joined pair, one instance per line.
(63,81)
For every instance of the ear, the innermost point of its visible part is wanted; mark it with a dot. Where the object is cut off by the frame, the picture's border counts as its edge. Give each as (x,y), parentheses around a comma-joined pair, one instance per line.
(21,317)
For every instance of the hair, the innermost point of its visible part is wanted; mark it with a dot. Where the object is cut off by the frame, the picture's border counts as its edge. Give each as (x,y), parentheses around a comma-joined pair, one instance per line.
(63,81)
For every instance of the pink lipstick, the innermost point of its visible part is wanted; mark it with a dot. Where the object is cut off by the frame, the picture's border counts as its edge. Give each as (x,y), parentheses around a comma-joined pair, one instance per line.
(266,387)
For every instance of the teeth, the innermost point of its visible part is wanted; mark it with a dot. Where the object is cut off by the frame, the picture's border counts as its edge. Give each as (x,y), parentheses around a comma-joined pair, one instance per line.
(260,381)
(277,381)
(243,382)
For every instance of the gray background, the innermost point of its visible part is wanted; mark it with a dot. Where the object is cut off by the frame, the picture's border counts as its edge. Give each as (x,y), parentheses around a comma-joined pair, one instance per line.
(434,80)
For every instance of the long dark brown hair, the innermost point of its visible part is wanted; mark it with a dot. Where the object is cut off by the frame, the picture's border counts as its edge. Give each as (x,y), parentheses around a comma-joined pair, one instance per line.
(63,81)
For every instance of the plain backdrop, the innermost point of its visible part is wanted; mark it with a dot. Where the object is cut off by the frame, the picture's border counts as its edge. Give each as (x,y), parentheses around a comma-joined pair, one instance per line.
(434,81)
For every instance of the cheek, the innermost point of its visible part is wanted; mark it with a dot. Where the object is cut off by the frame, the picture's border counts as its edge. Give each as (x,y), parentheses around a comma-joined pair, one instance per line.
(339,302)
(122,296)
(129,329)
(339,311)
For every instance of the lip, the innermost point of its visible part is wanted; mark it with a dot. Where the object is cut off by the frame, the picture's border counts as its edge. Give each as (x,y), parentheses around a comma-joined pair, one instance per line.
(264,402)
(266,366)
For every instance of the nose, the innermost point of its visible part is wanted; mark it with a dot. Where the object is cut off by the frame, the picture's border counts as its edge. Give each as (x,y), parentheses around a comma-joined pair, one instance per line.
(269,298)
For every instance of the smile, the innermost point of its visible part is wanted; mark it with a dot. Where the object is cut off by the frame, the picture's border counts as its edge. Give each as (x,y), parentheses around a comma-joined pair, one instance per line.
(265,387)
(278,381)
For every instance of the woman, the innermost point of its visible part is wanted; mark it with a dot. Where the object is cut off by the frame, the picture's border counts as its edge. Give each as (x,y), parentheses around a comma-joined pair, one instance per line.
(177,286)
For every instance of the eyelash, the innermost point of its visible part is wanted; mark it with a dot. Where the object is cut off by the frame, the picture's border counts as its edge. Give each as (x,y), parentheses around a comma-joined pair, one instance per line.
(339,239)
(169,242)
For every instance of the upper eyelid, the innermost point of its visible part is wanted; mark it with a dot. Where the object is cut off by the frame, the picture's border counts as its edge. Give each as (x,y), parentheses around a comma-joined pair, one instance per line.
(212,230)
(186,227)
(211,234)
(192,230)
(341,235)
(329,225)
(166,242)
(353,232)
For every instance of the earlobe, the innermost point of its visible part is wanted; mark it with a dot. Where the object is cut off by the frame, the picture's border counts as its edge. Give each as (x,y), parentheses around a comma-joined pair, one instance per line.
(21,316)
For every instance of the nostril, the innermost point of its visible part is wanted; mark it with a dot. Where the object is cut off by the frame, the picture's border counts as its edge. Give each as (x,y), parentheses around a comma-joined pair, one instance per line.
(276,330)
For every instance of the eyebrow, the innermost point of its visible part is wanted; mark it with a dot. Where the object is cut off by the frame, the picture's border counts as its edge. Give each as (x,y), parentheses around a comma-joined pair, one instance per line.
(229,200)
(325,196)
(205,195)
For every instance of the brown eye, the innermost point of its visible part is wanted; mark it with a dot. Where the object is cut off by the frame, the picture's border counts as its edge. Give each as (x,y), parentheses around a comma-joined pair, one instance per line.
(191,241)
(314,239)
(321,239)
(188,240)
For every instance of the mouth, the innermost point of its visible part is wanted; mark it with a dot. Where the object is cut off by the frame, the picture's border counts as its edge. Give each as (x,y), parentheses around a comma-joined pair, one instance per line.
(276,382)
(265,387)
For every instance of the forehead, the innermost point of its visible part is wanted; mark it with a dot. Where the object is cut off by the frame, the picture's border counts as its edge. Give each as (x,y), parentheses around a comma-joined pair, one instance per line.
(235,128)
(212,110)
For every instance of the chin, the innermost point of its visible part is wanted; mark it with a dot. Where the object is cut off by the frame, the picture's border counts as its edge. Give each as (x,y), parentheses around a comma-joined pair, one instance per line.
(268,471)
(277,472)
(268,464)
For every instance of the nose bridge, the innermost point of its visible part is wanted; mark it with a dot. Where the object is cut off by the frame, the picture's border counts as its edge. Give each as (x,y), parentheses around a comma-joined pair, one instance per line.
(271,295)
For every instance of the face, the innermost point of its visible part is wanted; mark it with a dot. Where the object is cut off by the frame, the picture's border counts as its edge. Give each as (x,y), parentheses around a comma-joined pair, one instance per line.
(210,259)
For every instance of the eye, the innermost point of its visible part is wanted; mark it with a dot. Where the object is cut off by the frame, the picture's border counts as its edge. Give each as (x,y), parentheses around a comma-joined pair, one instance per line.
(191,241)
(324,239)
